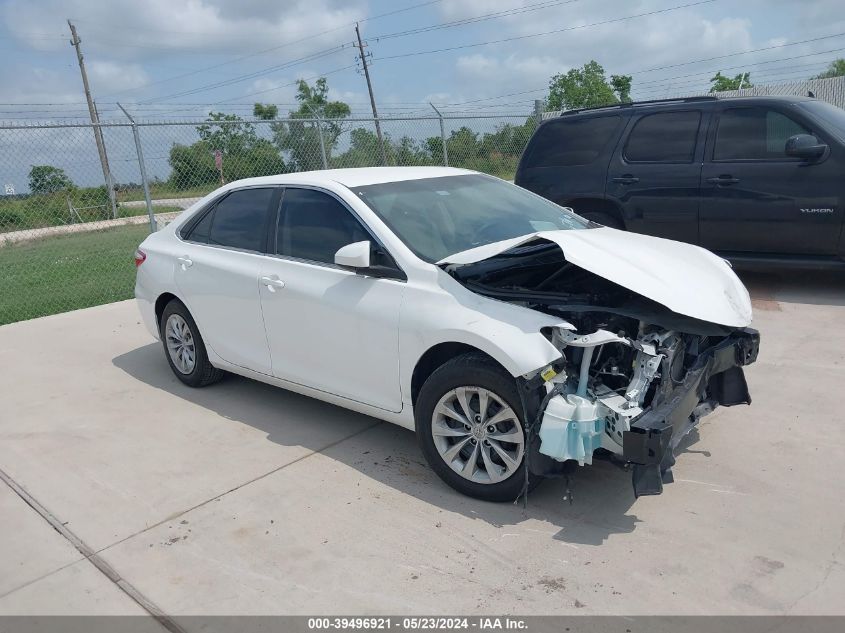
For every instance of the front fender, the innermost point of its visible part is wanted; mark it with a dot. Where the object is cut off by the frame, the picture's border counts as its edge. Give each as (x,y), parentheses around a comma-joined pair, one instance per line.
(450,313)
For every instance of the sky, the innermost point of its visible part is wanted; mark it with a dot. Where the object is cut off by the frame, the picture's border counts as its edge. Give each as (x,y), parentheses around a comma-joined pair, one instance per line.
(178,60)
(183,58)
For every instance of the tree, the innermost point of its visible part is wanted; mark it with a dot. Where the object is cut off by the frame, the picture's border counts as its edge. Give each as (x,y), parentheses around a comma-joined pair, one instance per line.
(835,69)
(494,152)
(586,87)
(621,85)
(266,112)
(300,139)
(232,136)
(244,153)
(48,179)
(365,151)
(720,83)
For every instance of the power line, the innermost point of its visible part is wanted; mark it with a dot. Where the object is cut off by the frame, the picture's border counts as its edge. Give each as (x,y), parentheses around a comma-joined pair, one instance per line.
(520,37)
(281,46)
(746,65)
(756,50)
(472,20)
(240,78)
(770,78)
(665,79)
(552,32)
(252,75)
(292,83)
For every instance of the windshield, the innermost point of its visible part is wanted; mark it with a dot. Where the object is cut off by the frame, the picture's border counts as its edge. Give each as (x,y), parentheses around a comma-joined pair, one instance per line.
(437,217)
(827,113)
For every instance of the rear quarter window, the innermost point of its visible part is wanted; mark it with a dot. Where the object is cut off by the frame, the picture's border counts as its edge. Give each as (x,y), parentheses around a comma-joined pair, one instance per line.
(566,142)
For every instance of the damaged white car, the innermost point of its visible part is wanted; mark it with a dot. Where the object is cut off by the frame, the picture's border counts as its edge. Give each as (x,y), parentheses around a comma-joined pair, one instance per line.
(518,339)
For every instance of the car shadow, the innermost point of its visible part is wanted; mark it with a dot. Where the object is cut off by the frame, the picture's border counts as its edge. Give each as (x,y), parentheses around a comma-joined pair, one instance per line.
(603,497)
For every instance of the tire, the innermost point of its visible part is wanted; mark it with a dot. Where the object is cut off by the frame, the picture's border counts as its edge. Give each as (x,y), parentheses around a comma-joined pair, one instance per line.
(446,386)
(605,219)
(200,372)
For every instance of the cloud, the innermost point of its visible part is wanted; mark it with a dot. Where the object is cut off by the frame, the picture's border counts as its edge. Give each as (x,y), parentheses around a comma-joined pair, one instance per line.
(622,46)
(112,76)
(161,27)
(476,64)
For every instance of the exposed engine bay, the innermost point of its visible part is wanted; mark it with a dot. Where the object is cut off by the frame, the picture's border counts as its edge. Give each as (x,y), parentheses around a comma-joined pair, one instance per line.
(634,377)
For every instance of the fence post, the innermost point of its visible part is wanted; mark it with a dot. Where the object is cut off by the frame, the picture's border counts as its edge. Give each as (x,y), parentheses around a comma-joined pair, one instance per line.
(139,150)
(320,135)
(538,112)
(442,135)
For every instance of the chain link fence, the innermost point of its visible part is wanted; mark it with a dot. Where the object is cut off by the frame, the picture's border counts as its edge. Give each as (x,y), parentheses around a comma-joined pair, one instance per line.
(73,207)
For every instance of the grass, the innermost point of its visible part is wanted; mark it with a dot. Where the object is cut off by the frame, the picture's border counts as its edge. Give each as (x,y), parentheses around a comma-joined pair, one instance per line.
(67,272)
(163,190)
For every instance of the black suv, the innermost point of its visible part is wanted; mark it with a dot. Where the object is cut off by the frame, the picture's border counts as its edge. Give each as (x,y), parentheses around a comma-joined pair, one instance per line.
(757,179)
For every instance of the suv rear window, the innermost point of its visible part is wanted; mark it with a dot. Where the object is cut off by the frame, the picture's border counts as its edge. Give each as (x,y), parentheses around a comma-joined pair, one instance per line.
(572,141)
(664,137)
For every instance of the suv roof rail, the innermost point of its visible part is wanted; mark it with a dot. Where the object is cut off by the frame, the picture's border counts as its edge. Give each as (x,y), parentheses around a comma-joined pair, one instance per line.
(631,104)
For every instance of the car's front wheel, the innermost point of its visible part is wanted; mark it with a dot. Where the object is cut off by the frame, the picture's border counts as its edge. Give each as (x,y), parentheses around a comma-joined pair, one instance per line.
(470,427)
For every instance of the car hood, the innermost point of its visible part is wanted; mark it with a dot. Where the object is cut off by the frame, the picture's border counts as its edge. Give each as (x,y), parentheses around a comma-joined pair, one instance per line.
(686,279)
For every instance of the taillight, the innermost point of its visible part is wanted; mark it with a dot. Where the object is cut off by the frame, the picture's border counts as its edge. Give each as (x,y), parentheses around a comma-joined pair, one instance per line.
(140,257)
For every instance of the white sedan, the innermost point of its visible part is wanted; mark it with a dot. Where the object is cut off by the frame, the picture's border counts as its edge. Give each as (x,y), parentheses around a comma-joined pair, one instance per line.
(515,337)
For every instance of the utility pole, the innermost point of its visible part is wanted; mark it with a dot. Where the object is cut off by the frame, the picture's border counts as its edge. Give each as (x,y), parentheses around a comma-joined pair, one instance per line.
(538,112)
(95,120)
(372,98)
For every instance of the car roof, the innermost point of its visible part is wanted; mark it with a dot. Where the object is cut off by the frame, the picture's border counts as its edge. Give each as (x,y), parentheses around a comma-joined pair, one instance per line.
(684,102)
(352,177)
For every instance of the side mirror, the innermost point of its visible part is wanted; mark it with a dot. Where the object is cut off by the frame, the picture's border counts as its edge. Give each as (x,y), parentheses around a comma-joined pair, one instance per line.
(804,146)
(355,255)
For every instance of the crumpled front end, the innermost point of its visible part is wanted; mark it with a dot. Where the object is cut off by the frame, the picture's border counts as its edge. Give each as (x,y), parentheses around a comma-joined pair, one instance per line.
(636,398)
(655,338)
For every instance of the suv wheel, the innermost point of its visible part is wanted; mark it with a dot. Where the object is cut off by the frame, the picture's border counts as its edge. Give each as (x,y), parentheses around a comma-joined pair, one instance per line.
(470,427)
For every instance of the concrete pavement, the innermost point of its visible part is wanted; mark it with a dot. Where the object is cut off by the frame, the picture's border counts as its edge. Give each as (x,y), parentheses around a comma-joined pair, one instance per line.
(246,499)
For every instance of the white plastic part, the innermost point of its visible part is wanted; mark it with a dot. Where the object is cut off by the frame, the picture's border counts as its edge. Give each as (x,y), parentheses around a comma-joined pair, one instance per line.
(355,255)
(571,429)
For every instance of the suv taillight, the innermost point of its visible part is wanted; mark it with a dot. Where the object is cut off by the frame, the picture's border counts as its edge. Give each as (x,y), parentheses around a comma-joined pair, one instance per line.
(140,257)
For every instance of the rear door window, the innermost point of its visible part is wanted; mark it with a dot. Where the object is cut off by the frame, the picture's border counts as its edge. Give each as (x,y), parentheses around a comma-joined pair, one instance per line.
(238,221)
(663,137)
(570,141)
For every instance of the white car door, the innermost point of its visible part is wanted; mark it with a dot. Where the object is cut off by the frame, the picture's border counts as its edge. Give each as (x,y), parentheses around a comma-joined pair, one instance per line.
(329,328)
(217,275)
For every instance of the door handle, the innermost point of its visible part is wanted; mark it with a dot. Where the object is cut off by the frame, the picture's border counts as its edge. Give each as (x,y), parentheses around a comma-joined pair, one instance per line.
(185,261)
(272,283)
(723,180)
(627,179)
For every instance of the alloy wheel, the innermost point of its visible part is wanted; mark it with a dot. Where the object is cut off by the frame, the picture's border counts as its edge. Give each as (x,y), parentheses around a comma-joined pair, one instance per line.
(478,435)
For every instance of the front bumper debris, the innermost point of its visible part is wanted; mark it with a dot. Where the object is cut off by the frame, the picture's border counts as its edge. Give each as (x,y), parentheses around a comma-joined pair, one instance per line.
(716,378)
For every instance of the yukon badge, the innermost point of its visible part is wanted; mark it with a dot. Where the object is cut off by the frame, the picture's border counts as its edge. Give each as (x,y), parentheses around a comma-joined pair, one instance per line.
(819,210)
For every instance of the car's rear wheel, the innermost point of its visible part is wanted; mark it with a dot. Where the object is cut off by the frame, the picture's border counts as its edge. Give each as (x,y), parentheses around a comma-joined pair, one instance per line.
(470,427)
(184,347)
